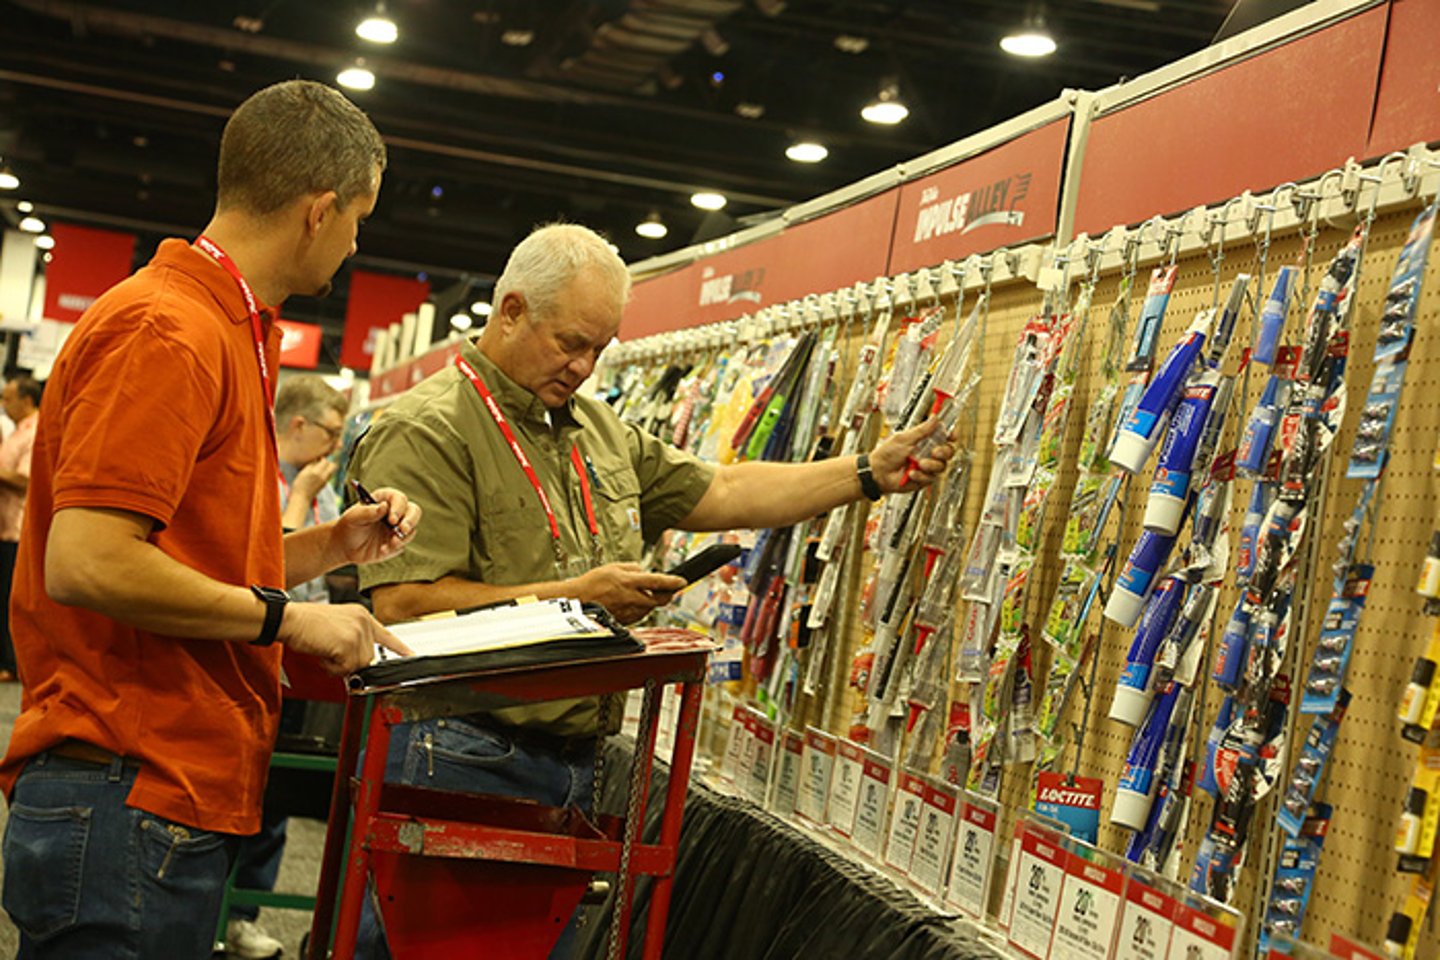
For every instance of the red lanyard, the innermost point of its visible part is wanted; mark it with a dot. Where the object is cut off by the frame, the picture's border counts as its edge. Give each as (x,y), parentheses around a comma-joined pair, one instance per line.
(256,327)
(575,459)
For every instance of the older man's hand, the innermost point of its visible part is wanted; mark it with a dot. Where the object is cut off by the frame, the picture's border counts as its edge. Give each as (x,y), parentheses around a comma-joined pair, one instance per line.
(897,467)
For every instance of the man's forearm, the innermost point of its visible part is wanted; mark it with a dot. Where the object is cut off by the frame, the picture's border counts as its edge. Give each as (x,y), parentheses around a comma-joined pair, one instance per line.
(405,601)
(310,553)
(759,494)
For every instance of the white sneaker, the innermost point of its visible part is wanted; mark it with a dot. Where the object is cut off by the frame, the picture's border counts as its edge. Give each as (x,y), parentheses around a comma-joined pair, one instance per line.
(247,939)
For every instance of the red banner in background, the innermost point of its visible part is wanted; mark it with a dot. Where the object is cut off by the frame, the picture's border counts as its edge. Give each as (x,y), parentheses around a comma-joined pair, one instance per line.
(1407,105)
(376,300)
(299,344)
(829,252)
(1007,195)
(84,264)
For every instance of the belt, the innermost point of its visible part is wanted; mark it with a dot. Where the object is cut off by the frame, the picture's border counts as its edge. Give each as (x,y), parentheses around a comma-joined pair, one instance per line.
(72,749)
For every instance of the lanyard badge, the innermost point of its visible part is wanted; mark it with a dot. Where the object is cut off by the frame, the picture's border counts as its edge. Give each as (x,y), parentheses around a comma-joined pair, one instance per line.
(257,329)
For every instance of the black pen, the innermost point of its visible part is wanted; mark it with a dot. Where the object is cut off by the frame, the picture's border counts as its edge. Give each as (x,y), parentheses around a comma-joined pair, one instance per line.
(369,500)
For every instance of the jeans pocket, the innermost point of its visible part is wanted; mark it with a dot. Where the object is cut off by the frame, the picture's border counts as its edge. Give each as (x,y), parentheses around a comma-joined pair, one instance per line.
(44,852)
(181,858)
(457,741)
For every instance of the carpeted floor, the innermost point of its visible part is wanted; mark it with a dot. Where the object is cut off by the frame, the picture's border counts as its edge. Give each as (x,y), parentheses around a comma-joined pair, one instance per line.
(299,871)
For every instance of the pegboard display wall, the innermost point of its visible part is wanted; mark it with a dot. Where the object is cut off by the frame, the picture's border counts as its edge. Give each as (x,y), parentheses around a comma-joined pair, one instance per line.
(1357,886)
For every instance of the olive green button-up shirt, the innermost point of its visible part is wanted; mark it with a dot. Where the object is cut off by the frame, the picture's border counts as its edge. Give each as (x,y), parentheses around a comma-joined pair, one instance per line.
(482,518)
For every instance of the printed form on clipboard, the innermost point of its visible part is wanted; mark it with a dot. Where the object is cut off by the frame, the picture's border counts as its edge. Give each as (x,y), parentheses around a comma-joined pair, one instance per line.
(510,634)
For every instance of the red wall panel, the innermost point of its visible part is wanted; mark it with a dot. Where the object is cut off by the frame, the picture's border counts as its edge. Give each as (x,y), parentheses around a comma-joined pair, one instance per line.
(1407,106)
(84,264)
(376,300)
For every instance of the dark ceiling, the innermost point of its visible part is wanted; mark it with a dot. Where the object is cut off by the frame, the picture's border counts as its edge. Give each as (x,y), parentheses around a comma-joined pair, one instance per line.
(111,112)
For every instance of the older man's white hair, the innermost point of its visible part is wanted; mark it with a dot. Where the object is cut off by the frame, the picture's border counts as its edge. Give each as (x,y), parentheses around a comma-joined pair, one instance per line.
(544,263)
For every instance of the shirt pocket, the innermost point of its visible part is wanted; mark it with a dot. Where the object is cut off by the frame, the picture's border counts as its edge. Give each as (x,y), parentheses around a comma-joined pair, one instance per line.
(617,508)
(515,542)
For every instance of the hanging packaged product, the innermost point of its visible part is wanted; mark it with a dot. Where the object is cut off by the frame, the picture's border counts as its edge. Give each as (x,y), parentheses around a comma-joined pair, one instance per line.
(1208,781)
(1224,330)
(1133,689)
(1136,787)
(1153,843)
(1336,643)
(1138,577)
(1310,767)
(1428,585)
(1412,703)
(1152,314)
(1412,821)
(1144,425)
(1429,710)
(1295,877)
(1181,639)
(1261,496)
(1402,935)
(1272,317)
(1424,823)
(1233,651)
(1170,490)
(1252,457)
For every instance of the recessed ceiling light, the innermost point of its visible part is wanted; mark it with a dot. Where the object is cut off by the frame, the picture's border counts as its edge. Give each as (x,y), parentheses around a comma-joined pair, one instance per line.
(378,28)
(461,321)
(25,206)
(481,308)
(708,200)
(750,111)
(32,225)
(806,151)
(885,112)
(652,227)
(8,180)
(1028,42)
(517,38)
(45,242)
(356,78)
(849,43)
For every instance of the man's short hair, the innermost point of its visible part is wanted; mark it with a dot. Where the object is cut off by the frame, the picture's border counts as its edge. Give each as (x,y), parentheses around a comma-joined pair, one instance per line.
(307,395)
(27,386)
(543,264)
(292,139)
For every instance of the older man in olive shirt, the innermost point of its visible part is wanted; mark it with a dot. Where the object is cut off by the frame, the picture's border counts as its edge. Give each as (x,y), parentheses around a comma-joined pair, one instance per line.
(460,443)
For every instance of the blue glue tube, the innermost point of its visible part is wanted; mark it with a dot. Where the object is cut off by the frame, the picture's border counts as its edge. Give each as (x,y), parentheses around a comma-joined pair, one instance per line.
(1142,429)
(1254,449)
(1260,499)
(1132,690)
(1132,587)
(1272,317)
(1136,787)
(1234,644)
(1207,781)
(1171,486)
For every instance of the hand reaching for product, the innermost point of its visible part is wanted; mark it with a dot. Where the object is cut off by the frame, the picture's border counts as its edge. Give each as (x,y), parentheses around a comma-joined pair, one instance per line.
(627,590)
(910,460)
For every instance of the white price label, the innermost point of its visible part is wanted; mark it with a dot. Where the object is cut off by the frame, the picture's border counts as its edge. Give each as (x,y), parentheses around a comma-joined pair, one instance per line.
(787,780)
(871,806)
(745,765)
(974,857)
(845,786)
(1145,925)
(1039,882)
(739,733)
(1199,936)
(763,732)
(932,841)
(1089,911)
(905,822)
(816,771)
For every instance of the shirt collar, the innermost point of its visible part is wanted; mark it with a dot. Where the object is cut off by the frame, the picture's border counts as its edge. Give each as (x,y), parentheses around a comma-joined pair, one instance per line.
(517,403)
(187,259)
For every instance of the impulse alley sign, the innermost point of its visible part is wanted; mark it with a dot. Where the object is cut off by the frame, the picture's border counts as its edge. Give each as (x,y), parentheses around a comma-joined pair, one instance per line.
(1003,196)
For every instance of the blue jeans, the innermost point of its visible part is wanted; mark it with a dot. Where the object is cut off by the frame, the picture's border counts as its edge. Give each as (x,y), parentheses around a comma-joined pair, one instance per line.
(463,754)
(257,862)
(87,876)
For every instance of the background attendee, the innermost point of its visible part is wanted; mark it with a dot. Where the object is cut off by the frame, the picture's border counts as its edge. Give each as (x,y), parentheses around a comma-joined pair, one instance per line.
(489,535)
(20,399)
(147,608)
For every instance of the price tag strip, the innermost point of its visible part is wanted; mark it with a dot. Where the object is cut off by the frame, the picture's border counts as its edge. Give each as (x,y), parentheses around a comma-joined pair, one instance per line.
(1147,920)
(816,766)
(1039,883)
(739,731)
(745,763)
(905,822)
(761,759)
(1090,906)
(974,858)
(787,777)
(933,838)
(1347,949)
(845,787)
(872,804)
(1201,935)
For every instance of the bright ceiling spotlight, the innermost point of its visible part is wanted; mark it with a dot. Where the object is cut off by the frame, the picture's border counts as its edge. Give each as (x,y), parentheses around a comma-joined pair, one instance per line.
(461,321)
(356,77)
(45,242)
(25,206)
(481,308)
(708,200)
(652,227)
(8,180)
(806,151)
(1031,39)
(378,28)
(32,225)
(887,108)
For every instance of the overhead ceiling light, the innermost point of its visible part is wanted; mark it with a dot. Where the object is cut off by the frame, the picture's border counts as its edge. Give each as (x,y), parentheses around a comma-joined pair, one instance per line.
(708,200)
(45,242)
(714,43)
(849,43)
(517,38)
(887,108)
(806,151)
(750,111)
(461,321)
(25,206)
(481,308)
(378,28)
(356,77)
(652,227)
(32,225)
(1031,39)
(8,180)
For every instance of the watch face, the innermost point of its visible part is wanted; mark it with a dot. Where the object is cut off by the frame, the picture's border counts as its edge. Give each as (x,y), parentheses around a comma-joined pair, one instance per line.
(270,594)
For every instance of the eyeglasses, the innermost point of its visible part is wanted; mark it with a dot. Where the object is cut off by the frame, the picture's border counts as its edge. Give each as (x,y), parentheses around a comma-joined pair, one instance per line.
(333,432)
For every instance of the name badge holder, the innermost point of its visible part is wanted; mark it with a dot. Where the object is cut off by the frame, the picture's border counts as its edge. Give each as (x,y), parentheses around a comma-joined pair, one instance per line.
(1090,905)
(845,787)
(784,801)
(1206,930)
(1147,918)
(816,769)
(1039,882)
(972,864)
(934,837)
(762,758)
(905,822)
(872,805)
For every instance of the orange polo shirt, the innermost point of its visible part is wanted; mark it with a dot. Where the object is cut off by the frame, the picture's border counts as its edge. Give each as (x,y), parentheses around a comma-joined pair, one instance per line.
(155,406)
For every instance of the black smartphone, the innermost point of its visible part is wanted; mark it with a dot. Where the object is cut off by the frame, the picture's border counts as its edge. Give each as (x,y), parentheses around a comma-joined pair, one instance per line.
(706,561)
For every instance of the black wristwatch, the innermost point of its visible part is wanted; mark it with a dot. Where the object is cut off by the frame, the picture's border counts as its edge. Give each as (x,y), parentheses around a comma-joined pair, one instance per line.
(868,484)
(274,601)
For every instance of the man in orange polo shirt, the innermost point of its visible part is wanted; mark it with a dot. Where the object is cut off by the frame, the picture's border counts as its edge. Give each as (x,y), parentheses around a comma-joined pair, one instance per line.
(148,592)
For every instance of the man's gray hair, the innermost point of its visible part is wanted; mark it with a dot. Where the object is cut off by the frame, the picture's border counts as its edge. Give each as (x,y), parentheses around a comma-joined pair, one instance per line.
(544,263)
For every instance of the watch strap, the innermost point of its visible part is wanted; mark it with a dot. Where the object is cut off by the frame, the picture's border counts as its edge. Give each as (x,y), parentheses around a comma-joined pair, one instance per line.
(275,601)
(868,484)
